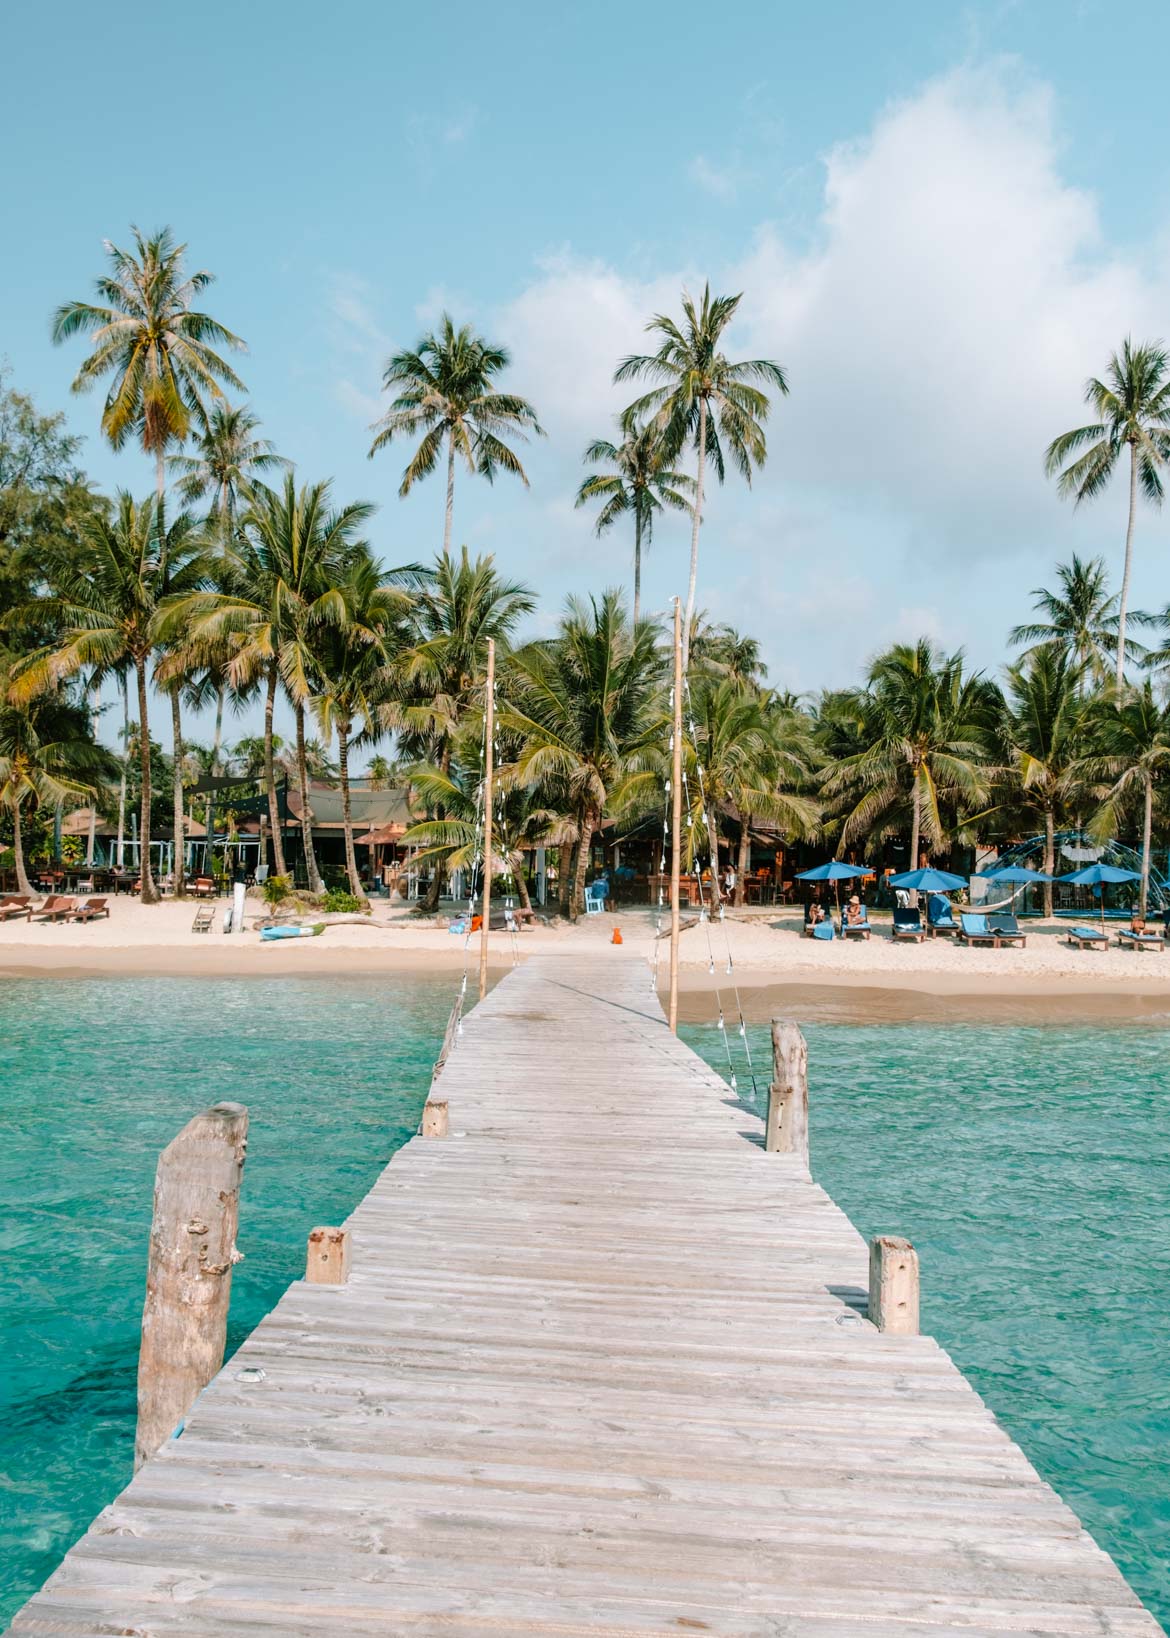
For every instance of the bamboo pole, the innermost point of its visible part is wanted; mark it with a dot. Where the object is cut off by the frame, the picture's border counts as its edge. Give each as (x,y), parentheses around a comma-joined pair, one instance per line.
(675,816)
(488,771)
(189,1272)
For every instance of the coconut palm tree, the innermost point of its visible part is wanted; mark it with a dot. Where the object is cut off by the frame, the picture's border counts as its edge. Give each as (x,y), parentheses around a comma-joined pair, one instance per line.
(1044,728)
(642,484)
(291,552)
(158,349)
(352,656)
(588,710)
(46,758)
(184,568)
(105,607)
(1079,618)
(925,727)
(444,390)
(705,400)
(1132,409)
(721,651)
(1130,755)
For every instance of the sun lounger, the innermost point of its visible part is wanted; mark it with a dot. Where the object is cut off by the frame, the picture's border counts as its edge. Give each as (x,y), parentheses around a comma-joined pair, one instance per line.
(1129,940)
(1005,925)
(15,905)
(203,887)
(90,910)
(204,919)
(855,929)
(1087,938)
(973,929)
(908,925)
(56,908)
(940,917)
(820,929)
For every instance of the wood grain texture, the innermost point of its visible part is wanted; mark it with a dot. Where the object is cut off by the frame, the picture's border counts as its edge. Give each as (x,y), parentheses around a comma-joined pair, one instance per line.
(600,1368)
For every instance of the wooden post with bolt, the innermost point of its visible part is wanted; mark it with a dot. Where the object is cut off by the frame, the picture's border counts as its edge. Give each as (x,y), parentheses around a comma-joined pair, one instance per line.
(893,1285)
(787,1128)
(189,1269)
(327,1257)
(434,1118)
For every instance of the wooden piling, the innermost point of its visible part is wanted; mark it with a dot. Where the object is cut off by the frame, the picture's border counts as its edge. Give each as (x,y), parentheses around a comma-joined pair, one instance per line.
(489,735)
(189,1271)
(787,1128)
(893,1285)
(434,1118)
(327,1257)
(676,820)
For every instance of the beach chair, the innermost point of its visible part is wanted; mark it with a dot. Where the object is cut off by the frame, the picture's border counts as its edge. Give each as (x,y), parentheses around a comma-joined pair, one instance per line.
(940,916)
(973,929)
(595,896)
(1129,940)
(1005,925)
(821,929)
(15,905)
(91,910)
(856,929)
(203,887)
(204,919)
(56,908)
(1087,938)
(908,925)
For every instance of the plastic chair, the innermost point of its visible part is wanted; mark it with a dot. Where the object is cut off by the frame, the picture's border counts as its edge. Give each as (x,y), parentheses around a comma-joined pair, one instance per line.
(595,896)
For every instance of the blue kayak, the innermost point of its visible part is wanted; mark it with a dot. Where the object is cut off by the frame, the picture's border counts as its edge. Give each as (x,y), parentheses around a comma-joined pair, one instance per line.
(267,934)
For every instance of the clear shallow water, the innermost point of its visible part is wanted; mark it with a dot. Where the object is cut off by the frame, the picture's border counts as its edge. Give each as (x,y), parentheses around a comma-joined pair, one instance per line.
(1031,1168)
(95,1078)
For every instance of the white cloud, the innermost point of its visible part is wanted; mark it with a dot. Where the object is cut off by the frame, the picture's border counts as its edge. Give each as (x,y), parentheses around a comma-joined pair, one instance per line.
(720,181)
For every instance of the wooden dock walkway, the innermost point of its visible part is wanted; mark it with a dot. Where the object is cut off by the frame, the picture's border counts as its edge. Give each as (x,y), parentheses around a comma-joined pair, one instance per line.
(598,1369)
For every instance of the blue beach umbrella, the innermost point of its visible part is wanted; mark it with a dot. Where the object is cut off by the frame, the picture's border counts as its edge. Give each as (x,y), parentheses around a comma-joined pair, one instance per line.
(1101,875)
(1015,876)
(833,871)
(928,880)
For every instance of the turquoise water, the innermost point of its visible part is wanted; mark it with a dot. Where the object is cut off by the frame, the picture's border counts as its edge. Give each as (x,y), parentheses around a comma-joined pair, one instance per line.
(1031,1168)
(95,1078)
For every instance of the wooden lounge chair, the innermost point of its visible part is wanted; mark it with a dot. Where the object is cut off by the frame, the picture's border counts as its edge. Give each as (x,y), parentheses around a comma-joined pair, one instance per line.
(90,910)
(1087,938)
(204,919)
(820,929)
(56,908)
(908,925)
(940,917)
(974,929)
(15,905)
(1129,940)
(855,929)
(1003,923)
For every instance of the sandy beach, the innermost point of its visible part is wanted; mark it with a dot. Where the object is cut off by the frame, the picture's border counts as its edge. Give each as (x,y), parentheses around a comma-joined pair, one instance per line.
(774,967)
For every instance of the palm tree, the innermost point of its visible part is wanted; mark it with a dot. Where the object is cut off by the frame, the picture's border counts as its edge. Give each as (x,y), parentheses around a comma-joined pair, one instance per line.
(352,657)
(441,673)
(587,707)
(184,567)
(1132,407)
(752,758)
(1079,618)
(704,399)
(444,389)
(158,349)
(291,552)
(104,605)
(924,726)
(1044,727)
(1131,750)
(642,484)
(721,651)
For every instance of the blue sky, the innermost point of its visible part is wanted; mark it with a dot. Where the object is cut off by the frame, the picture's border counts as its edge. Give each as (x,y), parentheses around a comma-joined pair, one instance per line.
(942,218)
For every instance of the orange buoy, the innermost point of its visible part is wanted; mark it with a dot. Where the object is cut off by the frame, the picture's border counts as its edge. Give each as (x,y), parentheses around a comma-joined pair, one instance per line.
(617,935)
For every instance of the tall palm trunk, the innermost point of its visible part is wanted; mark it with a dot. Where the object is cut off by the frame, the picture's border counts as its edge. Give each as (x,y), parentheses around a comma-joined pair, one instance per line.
(695,523)
(522,887)
(270,774)
(588,826)
(450,492)
(91,841)
(311,871)
(355,881)
(1147,815)
(915,830)
(565,879)
(1049,855)
(713,844)
(149,891)
(637,563)
(121,853)
(745,858)
(180,871)
(435,890)
(1123,603)
(23,885)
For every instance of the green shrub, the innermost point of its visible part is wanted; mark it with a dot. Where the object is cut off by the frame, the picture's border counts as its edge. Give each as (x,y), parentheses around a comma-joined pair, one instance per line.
(275,890)
(337,901)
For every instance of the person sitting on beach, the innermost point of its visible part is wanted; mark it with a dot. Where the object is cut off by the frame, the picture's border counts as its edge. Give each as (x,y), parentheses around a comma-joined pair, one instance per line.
(814,911)
(1137,922)
(855,912)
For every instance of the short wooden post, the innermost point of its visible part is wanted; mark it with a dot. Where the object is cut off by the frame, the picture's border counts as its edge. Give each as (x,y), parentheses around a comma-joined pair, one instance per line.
(434,1121)
(893,1285)
(787,1128)
(189,1270)
(327,1257)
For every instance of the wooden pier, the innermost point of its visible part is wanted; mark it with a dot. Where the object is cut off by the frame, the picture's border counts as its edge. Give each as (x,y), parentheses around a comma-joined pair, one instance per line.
(599,1367)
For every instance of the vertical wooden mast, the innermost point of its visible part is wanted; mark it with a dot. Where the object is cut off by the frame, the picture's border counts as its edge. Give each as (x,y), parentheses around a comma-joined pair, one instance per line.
(488,771)
(675,816)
